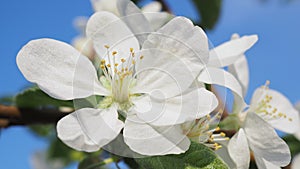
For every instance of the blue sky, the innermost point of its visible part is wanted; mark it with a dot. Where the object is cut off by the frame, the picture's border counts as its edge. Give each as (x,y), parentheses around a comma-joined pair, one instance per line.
(275,57)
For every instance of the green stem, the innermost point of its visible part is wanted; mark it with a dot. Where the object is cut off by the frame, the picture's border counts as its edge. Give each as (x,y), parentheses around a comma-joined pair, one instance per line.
(106,161)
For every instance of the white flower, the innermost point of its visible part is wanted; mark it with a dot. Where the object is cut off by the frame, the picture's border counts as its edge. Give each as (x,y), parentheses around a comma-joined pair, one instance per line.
(150,86)
(152,12)
(268,109)
(267,106)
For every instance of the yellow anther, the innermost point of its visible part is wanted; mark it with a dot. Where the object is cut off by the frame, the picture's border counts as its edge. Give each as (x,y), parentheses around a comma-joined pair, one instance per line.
(217,129)
(222,134)
(218,147)
(141,57)
(123,60)
(132,54)
(133,62)
(102,62)
(116,64)
(284,115)
(102,67)
(115,70)
(114,52)
(126,69)
(122,70)
(227,138)
(108,65)
(106,46)
(131,50)
(290,119)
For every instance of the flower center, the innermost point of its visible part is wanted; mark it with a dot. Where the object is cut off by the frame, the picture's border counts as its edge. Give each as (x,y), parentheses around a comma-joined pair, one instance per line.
(119,74)
(266,110)
(200,131)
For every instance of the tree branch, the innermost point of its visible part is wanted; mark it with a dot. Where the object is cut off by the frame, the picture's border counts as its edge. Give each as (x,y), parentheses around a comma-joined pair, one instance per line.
(11,116)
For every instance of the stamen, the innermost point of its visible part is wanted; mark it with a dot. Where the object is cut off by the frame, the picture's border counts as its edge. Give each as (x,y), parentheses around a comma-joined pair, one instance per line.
(267,111)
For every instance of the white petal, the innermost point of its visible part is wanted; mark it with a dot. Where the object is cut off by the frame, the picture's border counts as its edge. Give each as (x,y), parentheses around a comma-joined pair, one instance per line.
(105,5)
(157,19)
(152,7)
(85,46)
(120,148)
(296,162)
(265,142)
(149,140)
(89,129)
(288,124)
(239,150)
(297,134)
(228,52)
(223,153)
(59,69)
(263,164)
(105,28)
(181,38)
(190,106)
(152,12)
(164,73)
(240,70)
(135,19)
(220,77)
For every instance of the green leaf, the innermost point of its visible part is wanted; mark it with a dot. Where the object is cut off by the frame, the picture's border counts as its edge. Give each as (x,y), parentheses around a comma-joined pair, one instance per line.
(92,162)
(197,157)
(209,10)
(35,97)
(58,150)
(293,143)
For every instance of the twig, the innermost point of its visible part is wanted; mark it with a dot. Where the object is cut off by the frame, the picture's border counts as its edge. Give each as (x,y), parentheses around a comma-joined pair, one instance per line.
(11,116)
